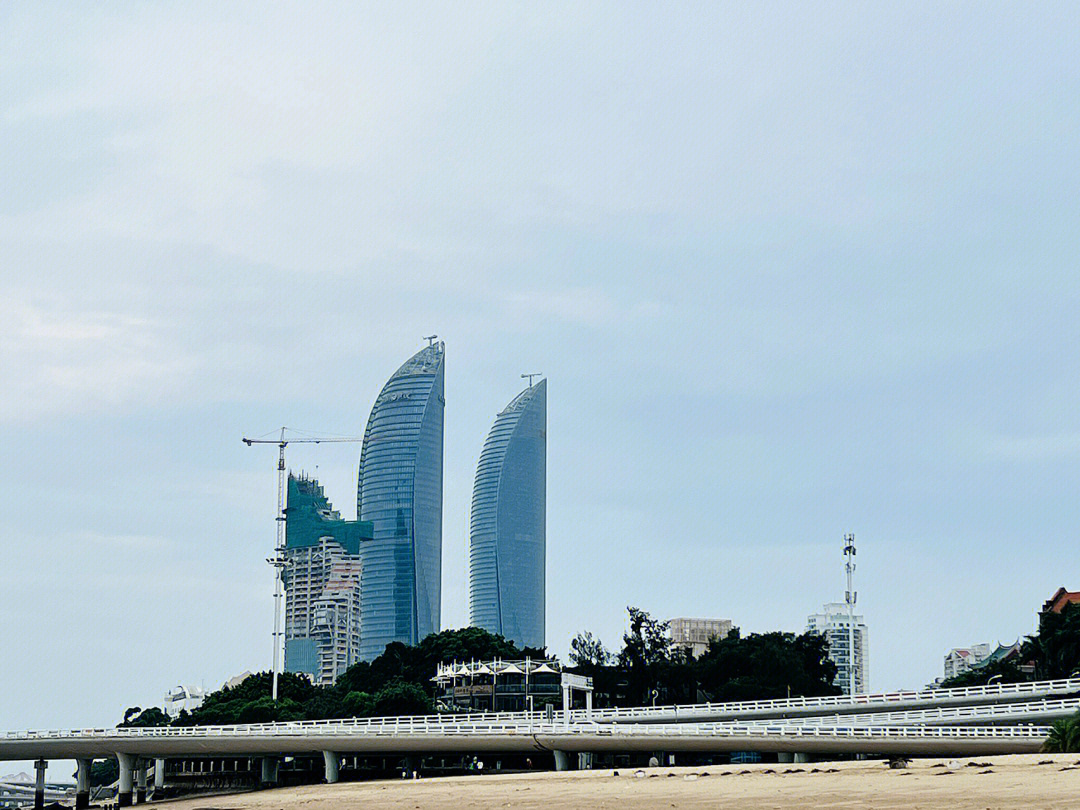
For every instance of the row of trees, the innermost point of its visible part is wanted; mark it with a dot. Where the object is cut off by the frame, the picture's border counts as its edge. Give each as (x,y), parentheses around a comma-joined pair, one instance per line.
(646,670)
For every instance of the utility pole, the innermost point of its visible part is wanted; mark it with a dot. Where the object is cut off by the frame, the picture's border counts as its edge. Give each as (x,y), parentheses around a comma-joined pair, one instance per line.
(278,561)
(849,597)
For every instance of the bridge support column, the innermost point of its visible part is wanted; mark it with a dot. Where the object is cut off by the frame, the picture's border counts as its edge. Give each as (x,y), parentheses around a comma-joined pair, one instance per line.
(82,783)
(562,761)
(39,784)
(140,790)
(159,777)
(584,761)
(801,757)
(127,774)
(269,772)
(332,766)
(785,756)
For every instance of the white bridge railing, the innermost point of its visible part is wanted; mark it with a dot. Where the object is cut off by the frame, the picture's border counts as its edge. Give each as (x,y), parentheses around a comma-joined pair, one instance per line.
(527,723)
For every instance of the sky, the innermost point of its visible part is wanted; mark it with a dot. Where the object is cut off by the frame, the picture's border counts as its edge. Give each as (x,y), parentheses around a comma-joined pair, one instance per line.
(791,270)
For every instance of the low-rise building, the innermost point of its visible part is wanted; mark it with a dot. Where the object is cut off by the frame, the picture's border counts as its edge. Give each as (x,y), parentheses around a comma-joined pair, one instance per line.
(183,698)
(693,635)
(963,659)
(510,686)
(1057,602)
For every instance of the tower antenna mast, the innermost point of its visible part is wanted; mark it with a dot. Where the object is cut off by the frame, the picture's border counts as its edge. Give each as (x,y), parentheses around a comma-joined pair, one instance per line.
(849,597)
(529,377)
(278,561)
(430,340)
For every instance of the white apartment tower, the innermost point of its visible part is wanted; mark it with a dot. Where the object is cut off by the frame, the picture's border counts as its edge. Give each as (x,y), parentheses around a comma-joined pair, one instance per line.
(833,623)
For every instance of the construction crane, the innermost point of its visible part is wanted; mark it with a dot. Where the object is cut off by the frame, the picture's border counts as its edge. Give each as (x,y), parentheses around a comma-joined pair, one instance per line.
(278,560)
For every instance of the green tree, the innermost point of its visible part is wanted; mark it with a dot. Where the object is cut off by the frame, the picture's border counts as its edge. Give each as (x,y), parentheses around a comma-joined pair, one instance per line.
(646,648)
(104,772)
(144,718)
(1064,737)
(764,666)
(587,651)
(1055,649)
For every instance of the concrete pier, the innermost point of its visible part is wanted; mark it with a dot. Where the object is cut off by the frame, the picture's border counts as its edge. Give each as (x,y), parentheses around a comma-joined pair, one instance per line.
(39,785)
(127,779)
(82,783)
(159,777)
(332,761)
(268,776)
(140,788)
(562,761)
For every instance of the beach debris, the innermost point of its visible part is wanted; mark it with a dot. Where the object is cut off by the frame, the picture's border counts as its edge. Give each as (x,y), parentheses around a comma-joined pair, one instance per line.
(690,777)
(988,770)
(1045,762)
(955,763)
(943,773)
(1068,768)
(898,762)
(768,770)
(639,774)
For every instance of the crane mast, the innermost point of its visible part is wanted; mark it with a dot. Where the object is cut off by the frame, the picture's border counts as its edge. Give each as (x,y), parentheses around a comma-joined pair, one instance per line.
(278,561)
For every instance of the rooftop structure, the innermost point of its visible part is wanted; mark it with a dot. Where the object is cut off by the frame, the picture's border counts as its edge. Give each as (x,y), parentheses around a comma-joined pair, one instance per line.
(693,635)
(1057,602)
(833,623)
(322,584)
(399,491)
(183,698)
(507,526)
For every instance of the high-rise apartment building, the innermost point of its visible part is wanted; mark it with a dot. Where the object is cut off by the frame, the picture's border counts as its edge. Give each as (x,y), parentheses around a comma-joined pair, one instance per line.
(507,524)
(322,584)
(693,635)
(400,492)
(834,623)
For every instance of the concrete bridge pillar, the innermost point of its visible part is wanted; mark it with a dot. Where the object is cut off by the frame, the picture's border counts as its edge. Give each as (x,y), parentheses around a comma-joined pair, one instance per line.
(82,783)
(159,777)
(127,779)
(269,774)
(562,761)
(785,756)
(801,757)
(140,790)
(332,766)
(39,784)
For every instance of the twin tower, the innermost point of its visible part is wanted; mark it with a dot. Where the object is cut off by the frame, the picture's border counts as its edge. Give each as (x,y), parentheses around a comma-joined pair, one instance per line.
(399,491)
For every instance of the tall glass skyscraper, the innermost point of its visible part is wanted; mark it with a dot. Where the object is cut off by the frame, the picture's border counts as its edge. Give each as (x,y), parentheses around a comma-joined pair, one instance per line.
(507,526)
(400,492)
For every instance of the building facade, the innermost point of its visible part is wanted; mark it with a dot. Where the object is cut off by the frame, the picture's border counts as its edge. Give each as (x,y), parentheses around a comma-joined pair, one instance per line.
(693,635)
(510,686)
(833,623)
(399,491)
(508,523)
(963,659)
(322,584)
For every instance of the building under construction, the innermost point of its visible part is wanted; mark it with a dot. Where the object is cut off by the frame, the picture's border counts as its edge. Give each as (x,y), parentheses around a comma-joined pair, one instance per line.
(322,584)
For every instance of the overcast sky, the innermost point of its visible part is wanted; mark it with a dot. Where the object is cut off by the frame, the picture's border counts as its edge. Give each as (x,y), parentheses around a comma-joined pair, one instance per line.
(792,270)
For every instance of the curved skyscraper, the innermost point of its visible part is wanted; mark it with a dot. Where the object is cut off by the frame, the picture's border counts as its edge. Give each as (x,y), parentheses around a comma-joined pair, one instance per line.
(507,526)
(400,492)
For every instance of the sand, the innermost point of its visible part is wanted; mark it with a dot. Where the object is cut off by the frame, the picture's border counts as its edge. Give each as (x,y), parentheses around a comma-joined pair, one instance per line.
(965,784)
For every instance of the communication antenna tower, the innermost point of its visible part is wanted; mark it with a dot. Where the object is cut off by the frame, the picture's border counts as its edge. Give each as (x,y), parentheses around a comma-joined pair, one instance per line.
(529,377)
(430,340)
(849,597)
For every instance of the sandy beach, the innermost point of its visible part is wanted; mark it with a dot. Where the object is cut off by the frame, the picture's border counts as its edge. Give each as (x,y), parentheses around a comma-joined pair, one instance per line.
(1032,782)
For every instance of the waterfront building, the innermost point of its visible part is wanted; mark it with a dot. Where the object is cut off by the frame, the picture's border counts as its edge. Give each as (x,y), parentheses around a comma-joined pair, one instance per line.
(507,524)
(510,686)
(399,491)
(833,623)
(322,584)
(692,636)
